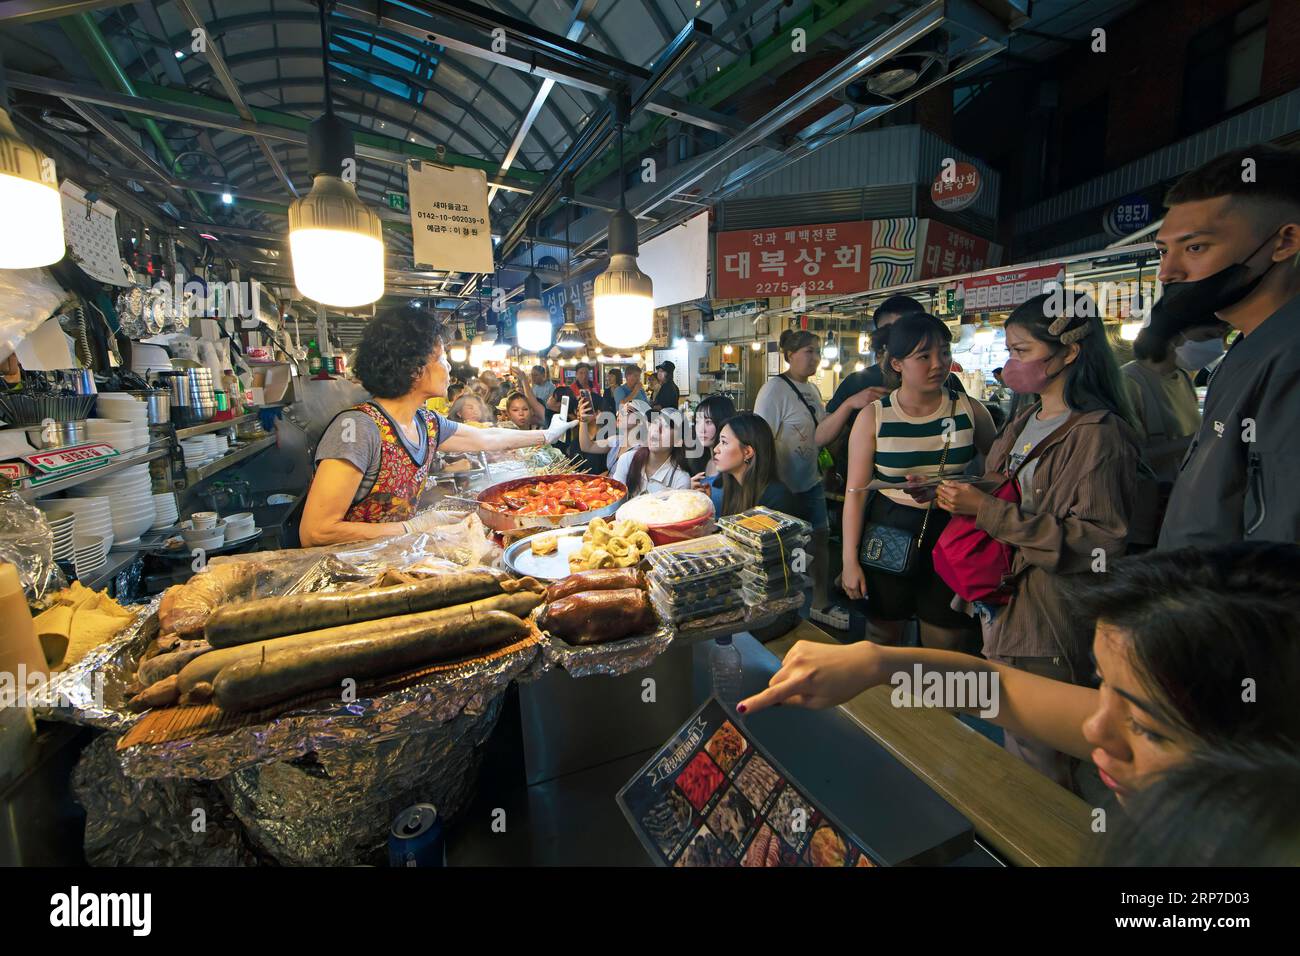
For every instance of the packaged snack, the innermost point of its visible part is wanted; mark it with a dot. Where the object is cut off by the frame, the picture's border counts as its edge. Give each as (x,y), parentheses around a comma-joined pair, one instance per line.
(762,529)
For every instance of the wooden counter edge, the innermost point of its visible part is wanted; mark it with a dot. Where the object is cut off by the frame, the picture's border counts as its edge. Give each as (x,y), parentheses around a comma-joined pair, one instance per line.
(1021,814)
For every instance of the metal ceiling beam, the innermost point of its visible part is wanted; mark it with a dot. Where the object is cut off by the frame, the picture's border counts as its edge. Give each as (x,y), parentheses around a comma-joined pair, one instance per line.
(545,54)
(14,12)
(599,132)
(347,80)
(178,106)
(577,25)
(198,185)
(214,60)
(111,131)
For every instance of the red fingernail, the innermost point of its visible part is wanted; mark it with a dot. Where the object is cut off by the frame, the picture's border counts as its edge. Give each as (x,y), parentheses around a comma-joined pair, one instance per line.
(741,708)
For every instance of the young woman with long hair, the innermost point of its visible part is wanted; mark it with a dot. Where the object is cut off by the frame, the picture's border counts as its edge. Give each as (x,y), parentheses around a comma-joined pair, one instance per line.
(1174,635)
(921,429)
(1074,455)
(711,414)
(659,464)
(745,456)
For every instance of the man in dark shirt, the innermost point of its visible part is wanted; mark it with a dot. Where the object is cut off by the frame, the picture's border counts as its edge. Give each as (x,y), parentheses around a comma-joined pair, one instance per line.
(1229,246)
(666,395)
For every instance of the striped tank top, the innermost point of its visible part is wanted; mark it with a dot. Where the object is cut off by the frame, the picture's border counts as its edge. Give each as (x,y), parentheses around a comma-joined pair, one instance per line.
(914,446)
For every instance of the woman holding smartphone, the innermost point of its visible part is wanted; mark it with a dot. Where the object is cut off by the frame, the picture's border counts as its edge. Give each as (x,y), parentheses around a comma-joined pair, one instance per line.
(920,430)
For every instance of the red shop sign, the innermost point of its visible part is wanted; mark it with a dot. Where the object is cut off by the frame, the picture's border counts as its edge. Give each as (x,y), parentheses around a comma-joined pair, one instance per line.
(956,187)
(951,252)
(826,258)
(1005,290)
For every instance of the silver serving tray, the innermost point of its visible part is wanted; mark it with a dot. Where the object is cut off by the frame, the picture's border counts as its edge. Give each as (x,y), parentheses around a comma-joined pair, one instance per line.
(519,557)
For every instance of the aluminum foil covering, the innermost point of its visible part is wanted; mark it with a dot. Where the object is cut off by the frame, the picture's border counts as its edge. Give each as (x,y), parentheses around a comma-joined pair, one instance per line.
(131,822)
(335,807)
(610,659)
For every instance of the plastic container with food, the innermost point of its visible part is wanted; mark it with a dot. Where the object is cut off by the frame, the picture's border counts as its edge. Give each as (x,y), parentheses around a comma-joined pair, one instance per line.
(695,561)
(715,588)
(774,586)
(677,613)
(764,529)
(671,516)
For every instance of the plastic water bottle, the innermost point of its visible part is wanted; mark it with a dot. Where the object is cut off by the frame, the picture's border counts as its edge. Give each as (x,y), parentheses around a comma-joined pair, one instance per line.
(724,662)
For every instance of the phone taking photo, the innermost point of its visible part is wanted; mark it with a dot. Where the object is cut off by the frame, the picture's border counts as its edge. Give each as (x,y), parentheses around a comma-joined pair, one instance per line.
(564,408)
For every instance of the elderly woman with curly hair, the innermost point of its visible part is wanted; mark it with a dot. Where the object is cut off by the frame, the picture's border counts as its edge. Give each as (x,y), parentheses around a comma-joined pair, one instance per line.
(372,461)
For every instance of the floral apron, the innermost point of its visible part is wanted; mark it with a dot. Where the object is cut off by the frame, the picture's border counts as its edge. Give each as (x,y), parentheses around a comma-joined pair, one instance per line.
(400,481)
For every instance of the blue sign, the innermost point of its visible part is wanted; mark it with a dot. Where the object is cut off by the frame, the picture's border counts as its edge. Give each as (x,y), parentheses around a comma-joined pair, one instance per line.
(1127,216)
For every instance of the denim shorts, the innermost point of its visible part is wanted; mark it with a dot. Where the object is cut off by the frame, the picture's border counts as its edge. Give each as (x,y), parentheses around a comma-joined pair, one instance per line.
(814,502)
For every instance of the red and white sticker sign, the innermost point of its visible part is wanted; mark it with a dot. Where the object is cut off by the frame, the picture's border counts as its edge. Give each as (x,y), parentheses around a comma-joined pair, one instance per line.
(62,459)
(956,187)
(1001,291)
(824,258)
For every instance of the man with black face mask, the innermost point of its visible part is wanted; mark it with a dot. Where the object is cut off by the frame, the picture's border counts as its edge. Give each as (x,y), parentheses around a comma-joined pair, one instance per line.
(1229,247)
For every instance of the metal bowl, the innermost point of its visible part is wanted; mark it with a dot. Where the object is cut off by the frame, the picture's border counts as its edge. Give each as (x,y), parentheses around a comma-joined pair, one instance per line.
(499,520)
(53,434)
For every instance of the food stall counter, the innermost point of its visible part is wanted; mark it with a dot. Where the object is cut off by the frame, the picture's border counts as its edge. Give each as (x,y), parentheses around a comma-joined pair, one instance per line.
(1017,812)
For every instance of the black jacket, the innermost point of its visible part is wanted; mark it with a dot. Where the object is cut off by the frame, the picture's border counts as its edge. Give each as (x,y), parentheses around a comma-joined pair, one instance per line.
(1238,481)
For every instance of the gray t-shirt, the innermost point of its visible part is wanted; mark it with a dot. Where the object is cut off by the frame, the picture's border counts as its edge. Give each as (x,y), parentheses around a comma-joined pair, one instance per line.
(1033,432)
(544,391)
(794,429)
(366,445)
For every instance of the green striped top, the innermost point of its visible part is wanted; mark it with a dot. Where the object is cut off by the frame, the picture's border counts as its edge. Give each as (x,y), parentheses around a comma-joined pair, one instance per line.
(914,446)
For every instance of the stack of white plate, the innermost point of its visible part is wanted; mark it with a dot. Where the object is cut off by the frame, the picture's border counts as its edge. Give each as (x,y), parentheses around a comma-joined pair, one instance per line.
(200,450)
(124,434)
(93,515)
(63,524)
(129,493)
(146,358)
(90,553)
(165,513)
(221,443)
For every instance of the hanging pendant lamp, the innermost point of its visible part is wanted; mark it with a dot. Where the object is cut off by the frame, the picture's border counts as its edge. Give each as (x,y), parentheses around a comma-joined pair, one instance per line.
(623,297)
(335,240)
(532,319)
(31,210)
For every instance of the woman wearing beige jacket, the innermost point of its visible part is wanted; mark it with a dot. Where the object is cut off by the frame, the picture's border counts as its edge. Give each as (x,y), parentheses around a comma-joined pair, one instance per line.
(1077,486)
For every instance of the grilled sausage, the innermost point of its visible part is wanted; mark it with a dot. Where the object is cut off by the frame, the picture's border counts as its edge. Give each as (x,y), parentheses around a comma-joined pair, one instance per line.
(594,617)
(289,672)
(207,667)
(163,693)
(277,616)
(605,579)
(165,665)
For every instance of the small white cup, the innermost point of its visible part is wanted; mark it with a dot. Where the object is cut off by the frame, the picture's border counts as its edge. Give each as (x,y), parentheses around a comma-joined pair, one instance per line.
(204,520)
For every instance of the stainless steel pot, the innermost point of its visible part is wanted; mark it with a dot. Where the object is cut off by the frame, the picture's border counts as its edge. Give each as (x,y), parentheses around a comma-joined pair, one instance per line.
(159,403)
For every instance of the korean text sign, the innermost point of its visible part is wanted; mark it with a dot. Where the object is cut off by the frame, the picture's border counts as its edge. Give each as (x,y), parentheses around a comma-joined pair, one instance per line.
(825,258)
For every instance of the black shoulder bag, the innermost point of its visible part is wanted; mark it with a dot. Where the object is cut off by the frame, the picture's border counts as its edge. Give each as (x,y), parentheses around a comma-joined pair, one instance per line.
(893,550)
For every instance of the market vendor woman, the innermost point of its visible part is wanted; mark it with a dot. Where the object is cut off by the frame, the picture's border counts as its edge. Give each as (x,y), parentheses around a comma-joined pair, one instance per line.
(374,458)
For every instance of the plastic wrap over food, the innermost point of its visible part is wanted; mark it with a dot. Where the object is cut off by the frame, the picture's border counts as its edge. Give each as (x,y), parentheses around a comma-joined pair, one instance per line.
(27,542)
(93,691)
(609,659)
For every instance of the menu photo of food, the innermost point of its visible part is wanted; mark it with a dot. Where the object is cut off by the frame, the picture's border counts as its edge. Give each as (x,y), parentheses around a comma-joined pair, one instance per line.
(711,797)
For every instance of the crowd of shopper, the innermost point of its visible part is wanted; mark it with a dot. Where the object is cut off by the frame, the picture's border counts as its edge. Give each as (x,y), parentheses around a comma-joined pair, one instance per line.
(1167,673)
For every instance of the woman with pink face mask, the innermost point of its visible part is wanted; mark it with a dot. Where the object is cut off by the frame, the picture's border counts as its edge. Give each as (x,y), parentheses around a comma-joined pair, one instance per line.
(1074,458)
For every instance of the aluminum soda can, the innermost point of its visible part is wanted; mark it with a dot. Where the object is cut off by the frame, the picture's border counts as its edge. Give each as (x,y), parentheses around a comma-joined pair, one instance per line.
(417,838)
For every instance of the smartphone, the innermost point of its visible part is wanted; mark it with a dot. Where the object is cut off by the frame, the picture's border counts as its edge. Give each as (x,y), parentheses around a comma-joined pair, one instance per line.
(564,408)
(591,399)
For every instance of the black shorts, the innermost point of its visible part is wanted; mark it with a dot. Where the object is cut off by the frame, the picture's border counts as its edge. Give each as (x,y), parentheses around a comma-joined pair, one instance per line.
(921,593)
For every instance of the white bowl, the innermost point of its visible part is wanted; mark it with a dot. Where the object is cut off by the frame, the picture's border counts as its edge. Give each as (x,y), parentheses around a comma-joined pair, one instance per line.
(209,538)
(131,529)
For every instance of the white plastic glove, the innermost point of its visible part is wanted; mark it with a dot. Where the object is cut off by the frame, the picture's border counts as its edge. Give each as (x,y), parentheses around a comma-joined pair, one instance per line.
(423,521)
(556,429)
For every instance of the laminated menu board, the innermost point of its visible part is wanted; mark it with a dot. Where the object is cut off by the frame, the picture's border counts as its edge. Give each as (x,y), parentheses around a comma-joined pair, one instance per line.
(711,797)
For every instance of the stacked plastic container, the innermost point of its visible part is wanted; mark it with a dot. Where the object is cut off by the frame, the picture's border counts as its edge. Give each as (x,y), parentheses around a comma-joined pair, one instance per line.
(776,548)
(696,579)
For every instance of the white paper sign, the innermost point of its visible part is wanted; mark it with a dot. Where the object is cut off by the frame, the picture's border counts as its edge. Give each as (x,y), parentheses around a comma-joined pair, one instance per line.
(449,217)
(678,262)
(91,235)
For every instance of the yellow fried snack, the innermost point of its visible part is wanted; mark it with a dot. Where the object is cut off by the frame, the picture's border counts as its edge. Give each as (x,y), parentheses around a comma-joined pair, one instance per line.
(642,542)
(618,547)
(545,543)
(600,558)
(627,560)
